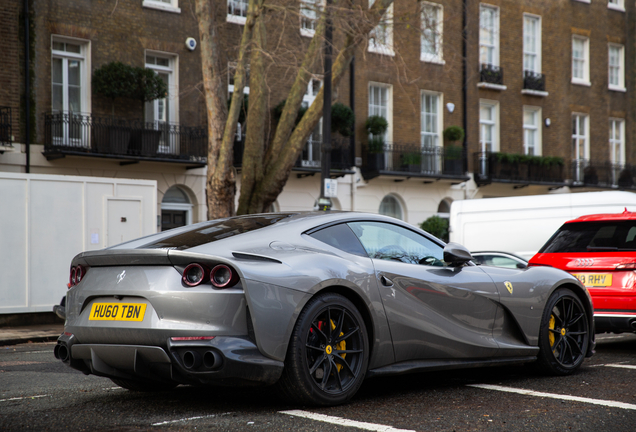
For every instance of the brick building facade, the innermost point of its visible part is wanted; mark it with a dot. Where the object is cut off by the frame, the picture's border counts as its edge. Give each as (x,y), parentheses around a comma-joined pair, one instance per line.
(539,76)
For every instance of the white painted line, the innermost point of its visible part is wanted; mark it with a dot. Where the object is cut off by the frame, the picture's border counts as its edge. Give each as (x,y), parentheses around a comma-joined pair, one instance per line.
(183,420)
(21,398)
(608,403)
(343,422)
(189,419)
(621,366)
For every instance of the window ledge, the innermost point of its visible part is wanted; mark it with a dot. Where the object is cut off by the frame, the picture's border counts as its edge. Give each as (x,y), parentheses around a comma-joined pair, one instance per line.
(236,19)
(307,32)
(382,49)
(615,7)
(535,93)
(491,86)
(160,6)
(582,83)
(618,89)
(584,1)
(430,59)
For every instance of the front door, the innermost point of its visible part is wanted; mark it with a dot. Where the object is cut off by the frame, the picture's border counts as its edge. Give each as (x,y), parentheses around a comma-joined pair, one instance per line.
(434,311)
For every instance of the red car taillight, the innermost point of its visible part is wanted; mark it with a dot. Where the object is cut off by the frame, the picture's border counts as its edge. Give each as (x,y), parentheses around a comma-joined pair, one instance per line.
(221,276)
(193,275)
(77,273)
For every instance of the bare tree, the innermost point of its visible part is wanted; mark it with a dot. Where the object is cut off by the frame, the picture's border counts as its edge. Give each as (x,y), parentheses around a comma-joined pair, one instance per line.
(269,156)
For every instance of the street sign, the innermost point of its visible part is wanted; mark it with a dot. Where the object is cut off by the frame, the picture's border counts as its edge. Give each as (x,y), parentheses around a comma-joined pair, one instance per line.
(331,188)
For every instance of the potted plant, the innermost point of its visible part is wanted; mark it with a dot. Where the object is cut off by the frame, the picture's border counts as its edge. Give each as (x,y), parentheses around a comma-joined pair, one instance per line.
(376,127)
(590,176)
(113,80)
(147,87)
(625,178)
(436,226)
(412,161)
(453,153)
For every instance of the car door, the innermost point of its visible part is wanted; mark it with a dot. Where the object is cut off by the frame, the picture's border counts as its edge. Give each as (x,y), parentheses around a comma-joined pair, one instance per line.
(435,311)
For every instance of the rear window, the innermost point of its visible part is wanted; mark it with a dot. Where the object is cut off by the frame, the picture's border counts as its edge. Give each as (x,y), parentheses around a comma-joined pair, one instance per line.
(341,237)
(215,230)
(593,237)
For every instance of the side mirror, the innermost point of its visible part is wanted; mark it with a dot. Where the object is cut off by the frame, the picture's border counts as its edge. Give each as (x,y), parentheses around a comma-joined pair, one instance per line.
(456,255)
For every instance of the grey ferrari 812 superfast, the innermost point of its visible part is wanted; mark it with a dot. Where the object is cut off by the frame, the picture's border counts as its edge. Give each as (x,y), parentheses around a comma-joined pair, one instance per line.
(312,303)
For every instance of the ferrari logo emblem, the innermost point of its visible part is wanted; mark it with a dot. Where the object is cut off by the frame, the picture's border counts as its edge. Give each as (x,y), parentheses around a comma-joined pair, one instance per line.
(509,286)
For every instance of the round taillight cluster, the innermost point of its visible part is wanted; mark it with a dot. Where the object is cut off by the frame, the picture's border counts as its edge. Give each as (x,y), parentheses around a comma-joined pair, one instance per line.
(77,274)
(221,276)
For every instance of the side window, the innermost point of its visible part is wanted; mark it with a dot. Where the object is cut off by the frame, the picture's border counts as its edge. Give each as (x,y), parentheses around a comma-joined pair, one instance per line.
(391,242)
(341,237)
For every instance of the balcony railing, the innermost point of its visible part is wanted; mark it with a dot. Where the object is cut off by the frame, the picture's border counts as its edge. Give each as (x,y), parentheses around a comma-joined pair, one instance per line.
(71,133)
(603,174)
(491,74)
(5,127)
(533,81)
(414,160)
(502,167)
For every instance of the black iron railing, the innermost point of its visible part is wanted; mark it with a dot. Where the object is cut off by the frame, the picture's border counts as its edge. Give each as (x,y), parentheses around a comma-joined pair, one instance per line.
(416,160)
(5,127)
(533,81)
(503,167)
(311,156)
(491,74)
(603,174)
(83,133)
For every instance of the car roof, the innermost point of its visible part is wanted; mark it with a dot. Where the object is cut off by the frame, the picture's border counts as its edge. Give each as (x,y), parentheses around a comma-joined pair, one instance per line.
(487,252)
(626,215)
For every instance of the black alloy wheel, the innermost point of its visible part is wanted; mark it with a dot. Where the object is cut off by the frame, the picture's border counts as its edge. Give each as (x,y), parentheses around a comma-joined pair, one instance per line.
(564,336)
(328,354)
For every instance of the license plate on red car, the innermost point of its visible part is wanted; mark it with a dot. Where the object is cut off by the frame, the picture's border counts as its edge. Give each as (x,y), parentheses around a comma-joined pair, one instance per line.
(594,279)
(117,312)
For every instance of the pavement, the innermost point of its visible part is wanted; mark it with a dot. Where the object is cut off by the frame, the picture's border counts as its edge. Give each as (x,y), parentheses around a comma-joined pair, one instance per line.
(30,333)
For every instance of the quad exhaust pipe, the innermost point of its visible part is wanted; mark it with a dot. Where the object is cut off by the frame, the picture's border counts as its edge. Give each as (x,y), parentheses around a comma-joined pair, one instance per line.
(61,352)
(632,324)
(193,359)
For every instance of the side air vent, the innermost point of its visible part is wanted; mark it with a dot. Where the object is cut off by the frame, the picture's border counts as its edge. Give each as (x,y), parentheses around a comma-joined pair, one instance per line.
(250,257)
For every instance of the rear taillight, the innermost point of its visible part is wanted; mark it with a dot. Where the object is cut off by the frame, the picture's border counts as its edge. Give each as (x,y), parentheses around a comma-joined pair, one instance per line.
(77,274)
(193,275)
(626,266)
(221,276)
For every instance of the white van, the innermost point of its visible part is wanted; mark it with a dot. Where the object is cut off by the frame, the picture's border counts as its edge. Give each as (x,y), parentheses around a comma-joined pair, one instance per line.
(521,225)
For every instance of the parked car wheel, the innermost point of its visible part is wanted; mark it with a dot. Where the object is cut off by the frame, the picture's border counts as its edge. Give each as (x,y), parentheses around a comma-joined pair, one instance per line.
(328,354)
(143,386)
(564,334)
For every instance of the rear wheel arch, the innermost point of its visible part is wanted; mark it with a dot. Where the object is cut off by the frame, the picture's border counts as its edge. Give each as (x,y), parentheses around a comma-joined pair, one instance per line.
(583,296)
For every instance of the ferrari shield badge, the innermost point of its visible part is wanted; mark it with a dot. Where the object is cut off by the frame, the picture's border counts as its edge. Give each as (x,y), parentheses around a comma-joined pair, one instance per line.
(509,286)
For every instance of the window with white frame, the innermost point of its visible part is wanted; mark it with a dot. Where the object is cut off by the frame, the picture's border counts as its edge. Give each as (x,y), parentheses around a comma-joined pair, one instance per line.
(165,5)
(532,131)
(430,120)
(311,156)
(616,4)
(231,70)
(488,126)
(165,110)
(617,141)
(379,104)
(580,144)
(432,30)
(532,43)
(381,37)
(237,11)
(488,35)
(69,87)
(580,60)
(309,10)
(616,67)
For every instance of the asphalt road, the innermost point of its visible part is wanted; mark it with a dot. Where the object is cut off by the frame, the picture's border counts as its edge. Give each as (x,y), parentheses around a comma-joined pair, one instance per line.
(39,393)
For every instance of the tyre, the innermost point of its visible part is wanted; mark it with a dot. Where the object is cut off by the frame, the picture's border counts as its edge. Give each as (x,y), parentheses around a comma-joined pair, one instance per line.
(564,335)
(143,386)
(328,353)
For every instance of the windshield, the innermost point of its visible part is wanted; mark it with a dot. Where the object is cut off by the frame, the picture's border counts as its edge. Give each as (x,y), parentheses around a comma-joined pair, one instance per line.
(607,236)
(215,230)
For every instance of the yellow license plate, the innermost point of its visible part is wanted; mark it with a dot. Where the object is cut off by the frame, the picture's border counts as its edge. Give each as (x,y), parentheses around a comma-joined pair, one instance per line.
(117,312)
(594,279)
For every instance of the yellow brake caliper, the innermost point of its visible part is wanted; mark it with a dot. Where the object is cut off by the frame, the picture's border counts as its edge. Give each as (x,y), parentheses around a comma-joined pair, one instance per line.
(551,334)
(339,346)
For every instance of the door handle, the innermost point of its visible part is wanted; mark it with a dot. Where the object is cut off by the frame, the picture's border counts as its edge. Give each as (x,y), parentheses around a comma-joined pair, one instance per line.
(386,281)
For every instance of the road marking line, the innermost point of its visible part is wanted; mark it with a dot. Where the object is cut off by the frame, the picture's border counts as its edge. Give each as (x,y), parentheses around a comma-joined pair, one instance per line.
(20,398)
(190,418)
(621,366)
(607,403)
(343,422)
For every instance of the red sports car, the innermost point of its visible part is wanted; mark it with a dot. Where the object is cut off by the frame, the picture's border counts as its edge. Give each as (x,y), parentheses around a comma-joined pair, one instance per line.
(600,250)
